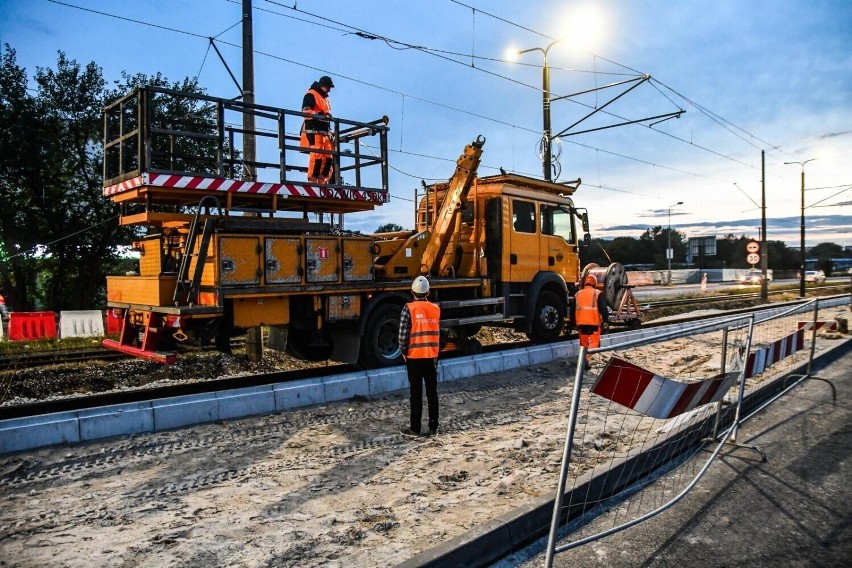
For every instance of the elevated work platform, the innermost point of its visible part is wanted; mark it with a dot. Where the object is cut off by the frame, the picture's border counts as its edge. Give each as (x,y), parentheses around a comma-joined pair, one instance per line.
(155,155)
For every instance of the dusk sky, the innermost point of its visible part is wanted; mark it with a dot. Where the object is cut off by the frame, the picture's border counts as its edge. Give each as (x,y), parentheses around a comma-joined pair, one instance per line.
(751,75)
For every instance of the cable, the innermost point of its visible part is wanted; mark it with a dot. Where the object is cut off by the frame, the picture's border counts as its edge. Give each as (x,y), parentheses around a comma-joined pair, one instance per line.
(46,245)
(427,101)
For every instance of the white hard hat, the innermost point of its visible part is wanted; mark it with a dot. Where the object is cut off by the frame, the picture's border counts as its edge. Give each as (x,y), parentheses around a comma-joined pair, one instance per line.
(420,286)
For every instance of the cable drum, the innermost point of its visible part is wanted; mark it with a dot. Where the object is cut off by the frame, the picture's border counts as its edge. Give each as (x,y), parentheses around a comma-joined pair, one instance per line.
(612,281)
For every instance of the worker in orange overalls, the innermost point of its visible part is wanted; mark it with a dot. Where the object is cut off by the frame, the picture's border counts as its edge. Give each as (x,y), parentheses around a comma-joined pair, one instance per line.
(420,341)
(590,313)
(316,132)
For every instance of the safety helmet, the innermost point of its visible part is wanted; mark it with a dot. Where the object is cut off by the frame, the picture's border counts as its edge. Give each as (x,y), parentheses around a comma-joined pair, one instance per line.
(326,81)
(590,280)
(420,286)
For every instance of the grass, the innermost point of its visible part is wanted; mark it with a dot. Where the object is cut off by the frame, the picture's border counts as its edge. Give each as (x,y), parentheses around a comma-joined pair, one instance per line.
(17,347)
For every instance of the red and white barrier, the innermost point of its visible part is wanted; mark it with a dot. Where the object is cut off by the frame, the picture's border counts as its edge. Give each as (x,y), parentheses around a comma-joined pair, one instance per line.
(830,325)
(637,388)
(760,359)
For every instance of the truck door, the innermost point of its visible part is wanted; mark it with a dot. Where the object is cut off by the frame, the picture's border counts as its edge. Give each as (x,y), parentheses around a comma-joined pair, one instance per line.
(559,249)
(523,241)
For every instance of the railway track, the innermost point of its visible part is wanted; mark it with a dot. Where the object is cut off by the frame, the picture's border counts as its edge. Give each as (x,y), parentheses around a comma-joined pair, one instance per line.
(667,303)
(217,385)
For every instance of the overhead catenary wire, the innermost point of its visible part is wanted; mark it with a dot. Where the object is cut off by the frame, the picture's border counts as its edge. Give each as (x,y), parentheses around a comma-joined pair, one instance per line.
(421,99)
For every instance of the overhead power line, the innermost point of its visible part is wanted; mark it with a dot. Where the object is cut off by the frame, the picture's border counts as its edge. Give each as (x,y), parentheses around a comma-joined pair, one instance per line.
(422,99)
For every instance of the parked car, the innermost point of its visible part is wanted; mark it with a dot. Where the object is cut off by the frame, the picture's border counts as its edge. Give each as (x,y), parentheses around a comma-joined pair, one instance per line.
(754,276)
(815,276)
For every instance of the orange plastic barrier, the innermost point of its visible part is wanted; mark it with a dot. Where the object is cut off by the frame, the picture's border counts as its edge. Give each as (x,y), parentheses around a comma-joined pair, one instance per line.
(26,326)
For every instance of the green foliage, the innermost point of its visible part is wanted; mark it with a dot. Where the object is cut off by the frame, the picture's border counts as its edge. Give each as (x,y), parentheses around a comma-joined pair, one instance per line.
(59,234)
(389,228)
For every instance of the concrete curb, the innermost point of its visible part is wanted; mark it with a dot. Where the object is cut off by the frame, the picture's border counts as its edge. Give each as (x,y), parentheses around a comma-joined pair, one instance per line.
(515,529)
(19,434)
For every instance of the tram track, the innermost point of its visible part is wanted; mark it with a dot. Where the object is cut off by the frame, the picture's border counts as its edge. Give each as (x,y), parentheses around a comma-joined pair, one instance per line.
(194,387)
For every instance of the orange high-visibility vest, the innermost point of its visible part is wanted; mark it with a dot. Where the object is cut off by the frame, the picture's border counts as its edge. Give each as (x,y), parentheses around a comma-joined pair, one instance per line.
(587,312)
(322,107)
(425,337)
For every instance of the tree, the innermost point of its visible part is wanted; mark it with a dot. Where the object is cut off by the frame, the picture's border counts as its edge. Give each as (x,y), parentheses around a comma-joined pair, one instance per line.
(389,228)
(60,235)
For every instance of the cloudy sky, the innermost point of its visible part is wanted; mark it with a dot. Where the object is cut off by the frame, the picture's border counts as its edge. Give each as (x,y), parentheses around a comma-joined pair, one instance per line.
(751,75)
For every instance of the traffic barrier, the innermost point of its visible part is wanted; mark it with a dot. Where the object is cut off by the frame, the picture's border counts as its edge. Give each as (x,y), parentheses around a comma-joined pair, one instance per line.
(830,325)
(81,323)
(27,326)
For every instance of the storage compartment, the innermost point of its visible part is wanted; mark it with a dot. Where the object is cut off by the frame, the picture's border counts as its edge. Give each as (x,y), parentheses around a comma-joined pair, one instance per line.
(147,290)
(239,261)
(283,260)
(322,260)
(357,260)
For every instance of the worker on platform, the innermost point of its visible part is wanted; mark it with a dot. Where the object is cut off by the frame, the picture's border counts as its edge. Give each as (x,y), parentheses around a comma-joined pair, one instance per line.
(590,313)
(316,131)
(419,339)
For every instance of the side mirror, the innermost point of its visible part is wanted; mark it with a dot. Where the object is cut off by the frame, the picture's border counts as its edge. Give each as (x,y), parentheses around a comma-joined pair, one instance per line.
(587,240)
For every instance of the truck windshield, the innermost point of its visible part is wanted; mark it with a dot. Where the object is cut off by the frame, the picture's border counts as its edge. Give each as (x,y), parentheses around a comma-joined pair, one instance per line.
(555,221)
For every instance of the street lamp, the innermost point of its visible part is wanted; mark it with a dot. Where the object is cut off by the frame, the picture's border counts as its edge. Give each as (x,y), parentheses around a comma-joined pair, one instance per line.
(802,230)
(545,104)
(669,252)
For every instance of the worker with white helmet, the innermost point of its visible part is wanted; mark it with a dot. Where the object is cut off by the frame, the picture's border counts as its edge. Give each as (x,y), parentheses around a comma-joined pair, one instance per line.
(420,341)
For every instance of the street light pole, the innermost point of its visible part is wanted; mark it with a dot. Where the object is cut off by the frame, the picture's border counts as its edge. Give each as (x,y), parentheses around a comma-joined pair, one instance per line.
(802,255)
(669,251)
(545,106)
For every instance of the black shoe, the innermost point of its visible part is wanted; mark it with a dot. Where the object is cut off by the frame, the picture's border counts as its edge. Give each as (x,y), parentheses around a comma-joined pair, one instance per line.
(433,431)
(406,431)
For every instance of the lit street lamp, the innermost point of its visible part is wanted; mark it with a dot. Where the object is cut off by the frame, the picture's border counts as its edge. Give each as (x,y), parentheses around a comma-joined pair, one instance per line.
(545,104)
(802,258)
(669,252)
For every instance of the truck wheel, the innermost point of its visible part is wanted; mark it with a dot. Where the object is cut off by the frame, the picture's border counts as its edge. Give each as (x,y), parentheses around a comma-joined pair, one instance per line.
(548,319)
(380,344)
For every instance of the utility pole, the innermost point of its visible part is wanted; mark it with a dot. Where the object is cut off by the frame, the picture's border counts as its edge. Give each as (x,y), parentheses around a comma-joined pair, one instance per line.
(254,335)
(764,253)
(249,153)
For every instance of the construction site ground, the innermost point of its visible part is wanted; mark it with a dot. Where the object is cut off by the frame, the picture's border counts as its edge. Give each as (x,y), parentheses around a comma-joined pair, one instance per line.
(332,485)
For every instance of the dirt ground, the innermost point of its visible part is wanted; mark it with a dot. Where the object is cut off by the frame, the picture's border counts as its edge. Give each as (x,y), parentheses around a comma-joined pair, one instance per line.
(332,485)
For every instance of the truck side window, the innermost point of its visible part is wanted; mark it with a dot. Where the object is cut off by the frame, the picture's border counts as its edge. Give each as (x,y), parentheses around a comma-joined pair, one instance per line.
(555,221)
(523,216)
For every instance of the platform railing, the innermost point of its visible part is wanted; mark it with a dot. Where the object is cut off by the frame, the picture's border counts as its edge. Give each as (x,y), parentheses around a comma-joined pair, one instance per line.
(162,131)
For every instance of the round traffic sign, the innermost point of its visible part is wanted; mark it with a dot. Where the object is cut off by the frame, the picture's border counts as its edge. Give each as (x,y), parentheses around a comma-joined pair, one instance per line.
(753,258)
(753,246)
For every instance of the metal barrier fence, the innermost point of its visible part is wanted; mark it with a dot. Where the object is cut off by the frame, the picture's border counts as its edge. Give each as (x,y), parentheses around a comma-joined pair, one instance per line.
(649,409)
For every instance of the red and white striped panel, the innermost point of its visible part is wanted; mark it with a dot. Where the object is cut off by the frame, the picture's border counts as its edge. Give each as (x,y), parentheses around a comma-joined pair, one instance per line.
(830,325)
(123,186)
(239,186)
(637,388)
(760,359)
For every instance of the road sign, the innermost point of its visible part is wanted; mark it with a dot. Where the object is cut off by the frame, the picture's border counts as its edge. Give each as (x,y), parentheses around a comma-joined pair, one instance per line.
(753,246)
(753,258)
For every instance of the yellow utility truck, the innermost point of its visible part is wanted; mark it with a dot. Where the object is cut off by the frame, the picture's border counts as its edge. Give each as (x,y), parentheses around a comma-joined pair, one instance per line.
(226,251)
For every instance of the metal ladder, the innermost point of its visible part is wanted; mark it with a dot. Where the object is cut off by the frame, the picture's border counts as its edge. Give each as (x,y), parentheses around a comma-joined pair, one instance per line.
(186,290)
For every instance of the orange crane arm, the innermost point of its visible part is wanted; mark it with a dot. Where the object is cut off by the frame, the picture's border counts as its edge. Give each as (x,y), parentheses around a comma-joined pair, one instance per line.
(454,201)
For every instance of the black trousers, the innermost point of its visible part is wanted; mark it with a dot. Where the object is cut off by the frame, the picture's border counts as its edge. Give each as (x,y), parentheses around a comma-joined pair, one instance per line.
(422,371)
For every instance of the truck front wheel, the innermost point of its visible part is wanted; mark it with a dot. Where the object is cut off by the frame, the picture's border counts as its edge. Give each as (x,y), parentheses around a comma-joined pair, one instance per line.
(548,319)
